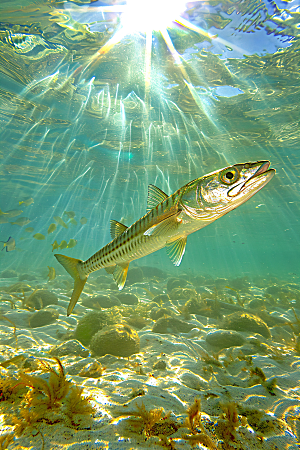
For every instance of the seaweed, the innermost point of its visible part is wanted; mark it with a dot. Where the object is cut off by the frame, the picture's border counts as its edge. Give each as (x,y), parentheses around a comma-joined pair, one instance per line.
(227,424)
(193,421)
(5,440)
(14,325)
(260,376)
(75,403)
(46,394)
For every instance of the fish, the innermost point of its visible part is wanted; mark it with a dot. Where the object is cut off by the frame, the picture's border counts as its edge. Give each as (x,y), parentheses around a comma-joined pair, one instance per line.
(52,227)
(169,220)
(60,221)
(51,275)
(70,214)
(11,213)
(72,243)
(27,202)
(29,229)
(9,245)
(39,236)
(21,221)
(83,220)
(4,219)
(73,222)
(55,245)
(63,244)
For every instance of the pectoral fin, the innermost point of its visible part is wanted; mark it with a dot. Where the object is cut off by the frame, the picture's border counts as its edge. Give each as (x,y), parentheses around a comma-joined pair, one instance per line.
(120,274)
(176,249)
(165,227)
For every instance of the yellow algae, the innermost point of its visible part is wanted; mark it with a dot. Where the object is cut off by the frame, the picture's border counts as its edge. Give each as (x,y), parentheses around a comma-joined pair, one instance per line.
(52,227)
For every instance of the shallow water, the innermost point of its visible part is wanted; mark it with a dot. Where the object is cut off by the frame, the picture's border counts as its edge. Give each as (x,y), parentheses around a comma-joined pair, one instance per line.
(95,106)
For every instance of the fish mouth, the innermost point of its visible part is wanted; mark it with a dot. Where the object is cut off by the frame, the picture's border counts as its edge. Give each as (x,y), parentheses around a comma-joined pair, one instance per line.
(257,181)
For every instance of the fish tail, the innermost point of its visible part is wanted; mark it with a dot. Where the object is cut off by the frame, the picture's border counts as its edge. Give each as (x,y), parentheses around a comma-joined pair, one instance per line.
(71,266)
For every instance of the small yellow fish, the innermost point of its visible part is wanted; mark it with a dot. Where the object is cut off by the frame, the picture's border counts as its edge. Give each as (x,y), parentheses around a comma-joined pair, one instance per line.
(60,221)
(27,202)
(72,243)
(29,229)
(9,245)
(63,245)
(70,214)
(52,227)
(21,221)
(11,213)
(83,220)
(73,222)
(51,275)
(39,236)
(55,245)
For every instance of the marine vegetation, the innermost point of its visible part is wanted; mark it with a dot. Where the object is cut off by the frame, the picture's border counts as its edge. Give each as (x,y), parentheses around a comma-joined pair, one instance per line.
(199,435)
(48,397)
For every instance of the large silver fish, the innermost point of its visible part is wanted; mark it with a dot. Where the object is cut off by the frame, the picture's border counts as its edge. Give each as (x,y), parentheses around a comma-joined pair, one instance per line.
(169,220)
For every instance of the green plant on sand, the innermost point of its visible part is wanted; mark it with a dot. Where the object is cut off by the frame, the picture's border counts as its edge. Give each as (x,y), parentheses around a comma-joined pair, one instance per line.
(194,424)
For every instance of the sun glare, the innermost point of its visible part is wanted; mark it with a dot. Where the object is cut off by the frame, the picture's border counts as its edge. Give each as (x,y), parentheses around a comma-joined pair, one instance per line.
(145,17)
(150,15)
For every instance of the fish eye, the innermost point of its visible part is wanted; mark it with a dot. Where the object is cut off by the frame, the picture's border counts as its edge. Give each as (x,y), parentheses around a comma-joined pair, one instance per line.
(229,176)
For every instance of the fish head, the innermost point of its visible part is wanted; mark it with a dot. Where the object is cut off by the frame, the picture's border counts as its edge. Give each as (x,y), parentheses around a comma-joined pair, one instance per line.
(219,192)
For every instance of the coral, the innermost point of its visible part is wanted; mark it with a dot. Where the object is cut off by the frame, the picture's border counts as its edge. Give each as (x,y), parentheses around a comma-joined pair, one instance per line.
(43,317)
(90,324)
(242,321)
(117,340)
(44,297)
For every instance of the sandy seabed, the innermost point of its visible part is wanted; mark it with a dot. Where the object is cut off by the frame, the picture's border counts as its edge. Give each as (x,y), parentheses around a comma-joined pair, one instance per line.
(199,379)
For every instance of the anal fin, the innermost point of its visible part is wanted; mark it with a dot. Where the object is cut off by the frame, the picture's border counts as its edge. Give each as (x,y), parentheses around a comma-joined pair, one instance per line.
(176,249)
(110,269)
(120,274)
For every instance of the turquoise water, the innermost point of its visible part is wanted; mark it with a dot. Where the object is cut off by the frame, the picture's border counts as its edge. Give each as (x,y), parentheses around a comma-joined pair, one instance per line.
(97,101)
(88,133)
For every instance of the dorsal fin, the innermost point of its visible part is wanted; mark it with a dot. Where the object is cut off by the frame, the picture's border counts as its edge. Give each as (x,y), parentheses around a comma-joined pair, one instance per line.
(116,228)
(155,196)
(176,249)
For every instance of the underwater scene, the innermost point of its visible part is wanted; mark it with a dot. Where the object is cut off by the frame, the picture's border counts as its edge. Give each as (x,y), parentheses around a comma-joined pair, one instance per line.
(149,217)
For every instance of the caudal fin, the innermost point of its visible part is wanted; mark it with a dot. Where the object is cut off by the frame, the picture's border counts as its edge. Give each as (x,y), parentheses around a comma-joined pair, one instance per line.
(71,266)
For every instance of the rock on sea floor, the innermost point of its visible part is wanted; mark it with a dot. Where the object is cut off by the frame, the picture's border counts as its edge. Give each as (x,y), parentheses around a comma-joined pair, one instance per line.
(226,378)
